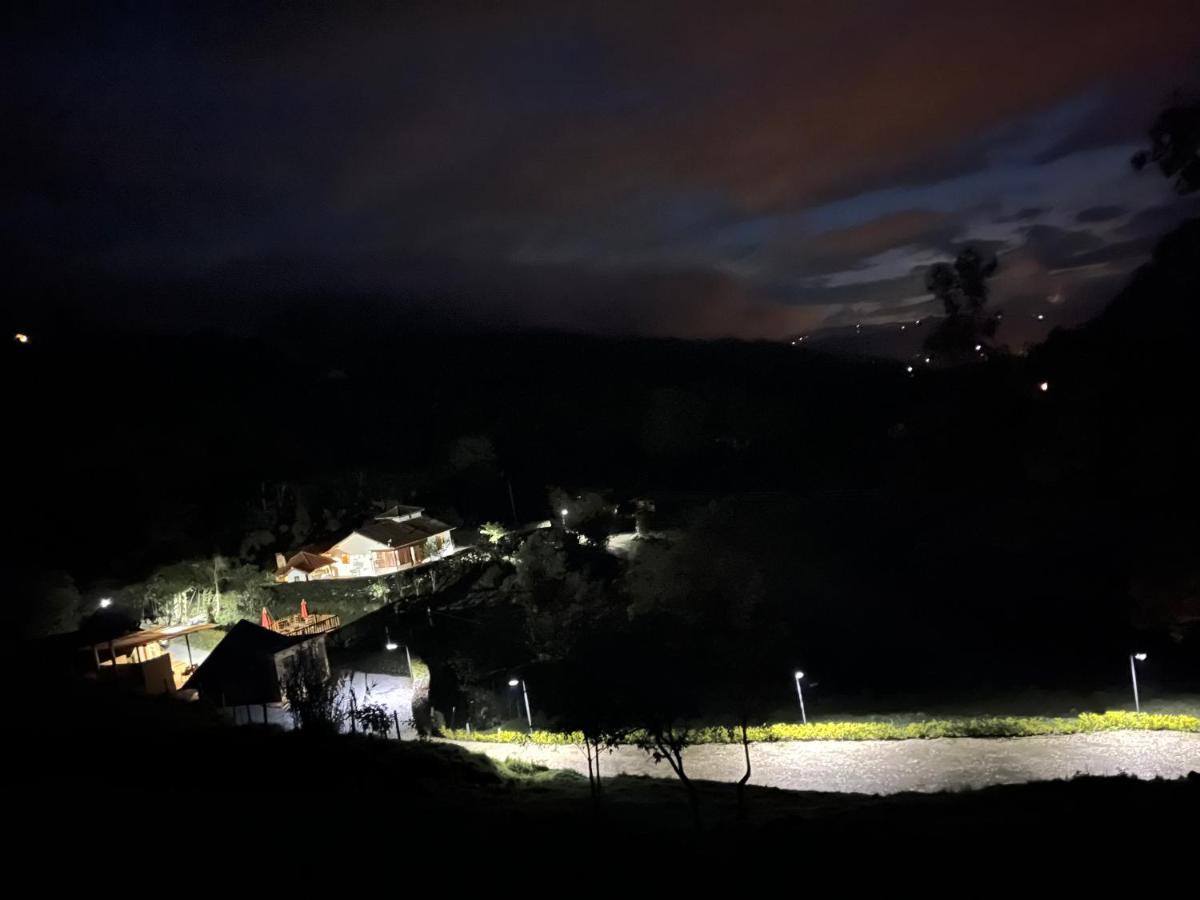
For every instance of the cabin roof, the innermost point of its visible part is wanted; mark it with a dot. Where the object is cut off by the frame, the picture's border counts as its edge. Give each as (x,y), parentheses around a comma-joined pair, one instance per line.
(403,534)
(306,561)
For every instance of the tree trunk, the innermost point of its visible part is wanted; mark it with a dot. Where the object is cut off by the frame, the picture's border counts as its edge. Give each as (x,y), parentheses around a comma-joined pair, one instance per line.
(674,758)
(741,785)
(216,589)
(587,749)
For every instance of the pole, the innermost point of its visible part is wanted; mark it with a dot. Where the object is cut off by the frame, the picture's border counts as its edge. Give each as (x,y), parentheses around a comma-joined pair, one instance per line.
(528,715)
(512,502)
(800,694)
(1137,704)
(188,642)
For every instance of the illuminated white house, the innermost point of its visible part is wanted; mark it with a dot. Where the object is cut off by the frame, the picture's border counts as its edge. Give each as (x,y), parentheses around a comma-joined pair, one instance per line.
(399,538)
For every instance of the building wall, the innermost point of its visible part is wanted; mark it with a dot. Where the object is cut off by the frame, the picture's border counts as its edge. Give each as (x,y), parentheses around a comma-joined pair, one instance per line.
(355,557)
(314,647)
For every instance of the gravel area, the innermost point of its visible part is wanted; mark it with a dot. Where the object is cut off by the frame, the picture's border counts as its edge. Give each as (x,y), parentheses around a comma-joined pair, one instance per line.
(888,767)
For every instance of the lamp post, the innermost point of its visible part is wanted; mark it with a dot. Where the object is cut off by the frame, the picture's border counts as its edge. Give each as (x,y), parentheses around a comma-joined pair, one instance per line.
(1134,659)
(389,644)
(800,694)
(564,518)
(513,682)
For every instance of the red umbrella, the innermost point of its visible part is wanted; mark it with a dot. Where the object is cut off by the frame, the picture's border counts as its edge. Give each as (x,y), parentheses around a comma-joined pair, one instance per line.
(267,621)
(303,608)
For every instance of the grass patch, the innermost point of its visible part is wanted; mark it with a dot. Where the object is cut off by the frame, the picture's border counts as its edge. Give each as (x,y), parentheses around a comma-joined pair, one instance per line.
(982,727)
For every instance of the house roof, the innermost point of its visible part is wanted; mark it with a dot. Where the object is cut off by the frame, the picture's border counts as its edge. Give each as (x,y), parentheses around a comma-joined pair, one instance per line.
(306,561)
(400,511)
(241,669)
(150,635)
(403,534)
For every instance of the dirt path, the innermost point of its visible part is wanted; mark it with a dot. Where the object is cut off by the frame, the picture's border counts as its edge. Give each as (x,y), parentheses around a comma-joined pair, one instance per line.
(888,767)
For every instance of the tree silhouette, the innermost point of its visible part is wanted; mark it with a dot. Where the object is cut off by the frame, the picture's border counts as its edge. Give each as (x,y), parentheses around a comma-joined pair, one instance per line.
(962,288)
(1175,143)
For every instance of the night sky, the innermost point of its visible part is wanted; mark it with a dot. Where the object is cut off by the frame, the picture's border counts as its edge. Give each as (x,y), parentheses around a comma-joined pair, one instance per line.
(634,168)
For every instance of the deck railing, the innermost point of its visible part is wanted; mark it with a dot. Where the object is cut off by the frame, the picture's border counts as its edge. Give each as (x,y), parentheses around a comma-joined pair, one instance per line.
(314,624)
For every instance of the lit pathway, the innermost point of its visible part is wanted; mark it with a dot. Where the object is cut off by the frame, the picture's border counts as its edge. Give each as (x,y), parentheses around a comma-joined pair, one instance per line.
(888,767)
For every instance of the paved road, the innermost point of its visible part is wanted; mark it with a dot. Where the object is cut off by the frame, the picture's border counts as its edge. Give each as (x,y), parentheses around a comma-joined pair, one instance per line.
(888,767)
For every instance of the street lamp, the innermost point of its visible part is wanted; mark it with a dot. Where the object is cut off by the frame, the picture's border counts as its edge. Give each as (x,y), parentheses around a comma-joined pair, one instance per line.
(513,682)
(564,518)
(105,602)
(389,644)
(1134,659)
(800,694)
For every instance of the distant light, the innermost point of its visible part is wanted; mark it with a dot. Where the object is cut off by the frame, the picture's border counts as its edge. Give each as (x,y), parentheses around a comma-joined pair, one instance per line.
(799,674)
(21,338)
(927,360)
(909,369)
(902,327)
(1044,386)
(390,645)
(1140,657)
(918,321)
(564,512)
(1040,317)
(105,602)
(513,682)
(978,347)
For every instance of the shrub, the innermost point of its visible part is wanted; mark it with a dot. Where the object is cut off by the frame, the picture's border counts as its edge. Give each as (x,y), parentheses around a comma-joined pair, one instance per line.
(984,727)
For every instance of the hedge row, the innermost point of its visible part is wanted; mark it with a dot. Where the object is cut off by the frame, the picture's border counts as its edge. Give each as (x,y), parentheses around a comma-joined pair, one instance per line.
(986,727)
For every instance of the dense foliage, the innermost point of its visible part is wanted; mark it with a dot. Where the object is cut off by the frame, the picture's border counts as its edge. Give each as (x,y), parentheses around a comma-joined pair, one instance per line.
(985,727)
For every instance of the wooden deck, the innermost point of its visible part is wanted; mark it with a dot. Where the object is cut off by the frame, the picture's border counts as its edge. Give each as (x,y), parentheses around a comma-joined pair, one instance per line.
(314,624)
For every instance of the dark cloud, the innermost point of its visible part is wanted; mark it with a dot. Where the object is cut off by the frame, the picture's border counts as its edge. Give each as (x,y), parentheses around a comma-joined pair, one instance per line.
(843,249)
(1095,214)
(1023,215)
(1128,104)
(1158,220)
(427,149)
(1058,248)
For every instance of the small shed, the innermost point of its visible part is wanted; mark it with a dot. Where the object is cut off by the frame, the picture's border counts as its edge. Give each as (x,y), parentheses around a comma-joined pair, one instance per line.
(249,666)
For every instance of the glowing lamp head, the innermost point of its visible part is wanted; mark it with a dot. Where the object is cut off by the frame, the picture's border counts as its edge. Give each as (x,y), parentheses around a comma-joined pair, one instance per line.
(105,602)
(513,682)
(21,338)
(799,674)
(978,347)
(909,369)
(1041,317)
(390,645)
(1140,657)
(1044,386)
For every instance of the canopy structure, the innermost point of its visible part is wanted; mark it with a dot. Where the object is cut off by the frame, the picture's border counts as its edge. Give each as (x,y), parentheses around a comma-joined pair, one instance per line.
(129,642)
(140,651)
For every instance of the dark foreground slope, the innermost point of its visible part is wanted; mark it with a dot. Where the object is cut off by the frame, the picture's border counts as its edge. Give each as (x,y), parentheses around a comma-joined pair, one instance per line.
(151,781)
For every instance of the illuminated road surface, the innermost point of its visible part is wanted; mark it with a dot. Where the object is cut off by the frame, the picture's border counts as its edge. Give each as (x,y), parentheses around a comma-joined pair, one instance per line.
(888,767)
